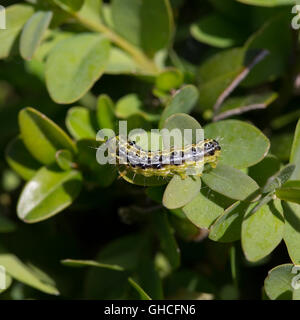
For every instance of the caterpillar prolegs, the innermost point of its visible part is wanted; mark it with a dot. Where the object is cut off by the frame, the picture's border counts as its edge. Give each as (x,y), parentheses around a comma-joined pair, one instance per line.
(188,160)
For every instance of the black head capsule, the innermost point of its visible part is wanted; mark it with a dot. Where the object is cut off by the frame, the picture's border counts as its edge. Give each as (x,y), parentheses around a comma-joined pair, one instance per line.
(131,143)
(217,145)
(211,147)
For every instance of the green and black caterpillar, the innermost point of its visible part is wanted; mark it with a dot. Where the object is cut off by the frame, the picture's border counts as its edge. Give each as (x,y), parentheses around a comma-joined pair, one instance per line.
(165,163)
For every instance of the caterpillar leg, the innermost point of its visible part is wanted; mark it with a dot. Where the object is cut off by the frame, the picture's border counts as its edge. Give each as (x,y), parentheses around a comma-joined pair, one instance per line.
(122,174)
(183,176)
(213,164)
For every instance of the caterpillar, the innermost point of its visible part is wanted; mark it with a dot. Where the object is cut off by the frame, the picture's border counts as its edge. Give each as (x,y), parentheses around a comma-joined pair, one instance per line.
(165,163)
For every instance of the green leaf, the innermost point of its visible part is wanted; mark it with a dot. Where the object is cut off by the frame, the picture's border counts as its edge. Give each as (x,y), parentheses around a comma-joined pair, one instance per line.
(295,153)
(243,145)
(167,240)
(90,263)
(169,79)
(264,169)
(74,65)
(103,175)
(278,284)
(33,33)
(274,36)
(202,211)
(217,73)
(64,159)
(180,192)
(121,63)
(49,192)
(16,16)
(182,102)
(278,179)
(262,230)
(217,31)
(230,182)
(73,5)
(291,235)
(41,136)
(290,191)
(20,160)
(19,271)
(268,3)
(182,121)
(133,20)
(79,122)
(128,106)
(91,10)
(105,112)
(228,226)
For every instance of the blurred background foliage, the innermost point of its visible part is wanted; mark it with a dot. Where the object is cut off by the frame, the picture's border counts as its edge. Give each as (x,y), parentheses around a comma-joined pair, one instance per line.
(233,65)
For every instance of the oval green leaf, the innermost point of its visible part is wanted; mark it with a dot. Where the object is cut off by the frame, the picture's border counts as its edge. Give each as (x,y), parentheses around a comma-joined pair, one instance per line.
(49,192)
(262,230)
(105,112)
(180,192)
(202,211)
(21,272)
(33,33)
(169,79)
(74,65)
(182,102)
(230,182)
(243,145)
(42,137)
(16,17)
(183,121)
(134,20)
(278,283)
(79,122)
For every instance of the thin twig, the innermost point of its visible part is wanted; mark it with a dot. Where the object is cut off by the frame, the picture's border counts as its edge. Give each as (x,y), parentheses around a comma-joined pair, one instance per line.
(238,79)
(239,110)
